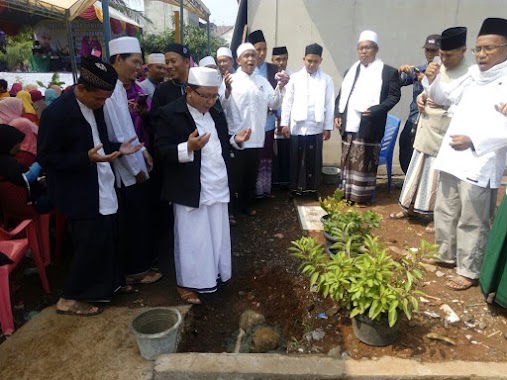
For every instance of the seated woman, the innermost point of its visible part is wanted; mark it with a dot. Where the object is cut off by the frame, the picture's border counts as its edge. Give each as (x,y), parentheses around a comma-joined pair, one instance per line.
(27,154)
(28,110)
(25,180)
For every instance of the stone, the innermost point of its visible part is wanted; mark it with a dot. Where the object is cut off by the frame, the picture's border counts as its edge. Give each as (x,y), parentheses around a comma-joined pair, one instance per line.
(250,318)
(482,326)
(440,274)
(264,339)
(335,352)
(278,236)
(332,311)
(318,334)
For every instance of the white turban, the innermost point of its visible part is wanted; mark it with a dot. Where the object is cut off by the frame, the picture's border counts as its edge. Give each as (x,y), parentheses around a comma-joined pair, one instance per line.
(244,47)
(223,51)
(203,76)
(124,45)
(209,60)
(368,35)
(156,59)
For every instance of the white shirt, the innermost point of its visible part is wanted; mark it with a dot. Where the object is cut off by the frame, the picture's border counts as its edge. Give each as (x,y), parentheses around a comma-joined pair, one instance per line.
(475,116)
(247,106)
(108,203)
(315,92)
(120,128)
(214,182)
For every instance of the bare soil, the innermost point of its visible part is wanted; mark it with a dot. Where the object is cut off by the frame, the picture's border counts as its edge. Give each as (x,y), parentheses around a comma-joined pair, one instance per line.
(266,279)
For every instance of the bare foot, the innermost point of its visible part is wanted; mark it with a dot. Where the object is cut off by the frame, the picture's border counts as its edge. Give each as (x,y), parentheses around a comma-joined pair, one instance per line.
(76,308)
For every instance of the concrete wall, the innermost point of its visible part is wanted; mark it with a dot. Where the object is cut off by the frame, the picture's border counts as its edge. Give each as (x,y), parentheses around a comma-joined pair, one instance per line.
(160,14)
(402,26)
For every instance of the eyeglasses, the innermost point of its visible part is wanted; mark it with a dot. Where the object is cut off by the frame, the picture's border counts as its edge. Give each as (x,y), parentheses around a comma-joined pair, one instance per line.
(487,49)
(206,96)
(369,47)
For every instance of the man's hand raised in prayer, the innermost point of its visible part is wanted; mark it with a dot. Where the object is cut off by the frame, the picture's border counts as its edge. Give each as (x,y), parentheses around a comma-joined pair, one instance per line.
(461,142)
(432,71)
(196,142)
(228,82)
(242,136)
(125,148)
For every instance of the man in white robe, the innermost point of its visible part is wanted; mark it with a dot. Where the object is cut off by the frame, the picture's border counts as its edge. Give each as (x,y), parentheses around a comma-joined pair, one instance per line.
(193,143)
(246,95)
(307,118)
(471,159)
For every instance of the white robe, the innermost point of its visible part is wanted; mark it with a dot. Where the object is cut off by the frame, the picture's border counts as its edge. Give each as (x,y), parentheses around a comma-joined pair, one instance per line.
(475,116)
(120,128)
(308,103)
(202,240)
(248,104)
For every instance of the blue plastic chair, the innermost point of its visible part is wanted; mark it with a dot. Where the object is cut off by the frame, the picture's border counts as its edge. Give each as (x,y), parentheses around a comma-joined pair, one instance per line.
(387,145)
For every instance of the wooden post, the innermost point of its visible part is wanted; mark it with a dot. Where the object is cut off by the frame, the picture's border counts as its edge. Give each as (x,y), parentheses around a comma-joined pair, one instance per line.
(177,35)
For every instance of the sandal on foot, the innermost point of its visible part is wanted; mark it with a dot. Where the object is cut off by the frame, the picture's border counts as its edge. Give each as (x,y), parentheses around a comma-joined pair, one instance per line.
(188,296)
(401,215)
(460,283)
(430,228)
(80,309)
(148,278)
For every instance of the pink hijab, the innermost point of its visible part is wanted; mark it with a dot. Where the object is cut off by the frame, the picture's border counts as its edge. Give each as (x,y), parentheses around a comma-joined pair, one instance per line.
(10,108)
(29,143)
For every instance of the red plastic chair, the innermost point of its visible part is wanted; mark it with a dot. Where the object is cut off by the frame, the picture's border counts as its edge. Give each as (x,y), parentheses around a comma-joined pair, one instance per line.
(15,249)
(13,201)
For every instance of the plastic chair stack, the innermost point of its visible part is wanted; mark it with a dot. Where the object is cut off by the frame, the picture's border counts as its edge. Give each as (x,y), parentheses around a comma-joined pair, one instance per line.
(387,145)
(15,249)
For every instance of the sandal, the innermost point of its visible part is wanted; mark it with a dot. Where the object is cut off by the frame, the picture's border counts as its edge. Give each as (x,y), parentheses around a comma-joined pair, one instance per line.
(232,220)
(401,215)
(188,296)
(430,228)
(148,278)
(79,309)
(460,283)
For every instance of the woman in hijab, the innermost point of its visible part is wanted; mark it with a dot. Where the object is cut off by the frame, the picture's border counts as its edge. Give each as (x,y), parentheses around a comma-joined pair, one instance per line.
(57,89)
(28,110)
(49,96)
(38,102)
(31,87)
(25,179)
(16,87)
(10,108)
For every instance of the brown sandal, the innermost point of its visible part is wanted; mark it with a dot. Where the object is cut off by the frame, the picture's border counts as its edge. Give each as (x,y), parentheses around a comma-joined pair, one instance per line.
(188,296)
(147,278)
(460,283)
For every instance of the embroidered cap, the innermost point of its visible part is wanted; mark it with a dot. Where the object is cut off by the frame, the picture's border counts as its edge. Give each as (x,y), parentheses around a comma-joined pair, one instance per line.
(124,45)
(207,61)
(368,35)
(98,74)
(244,47)
(156,59)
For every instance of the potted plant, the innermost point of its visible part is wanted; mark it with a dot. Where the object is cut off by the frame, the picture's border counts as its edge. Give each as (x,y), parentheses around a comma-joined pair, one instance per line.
(373,286)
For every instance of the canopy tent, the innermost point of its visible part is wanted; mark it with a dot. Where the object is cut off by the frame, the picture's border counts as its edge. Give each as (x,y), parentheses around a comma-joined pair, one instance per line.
(66,10)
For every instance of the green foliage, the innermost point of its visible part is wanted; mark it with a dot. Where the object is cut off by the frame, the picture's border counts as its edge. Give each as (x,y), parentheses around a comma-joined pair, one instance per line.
(371,283)
(19,49)
(196,38)
(55,80)
(333,204)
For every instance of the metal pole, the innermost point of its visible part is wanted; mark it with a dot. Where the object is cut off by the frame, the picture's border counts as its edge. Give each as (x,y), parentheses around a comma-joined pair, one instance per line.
(181,23)
(107,26)
(209,44)
(72,51)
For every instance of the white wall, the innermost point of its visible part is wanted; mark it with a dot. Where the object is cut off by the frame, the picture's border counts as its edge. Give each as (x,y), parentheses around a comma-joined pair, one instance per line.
(161,15)
(402,26)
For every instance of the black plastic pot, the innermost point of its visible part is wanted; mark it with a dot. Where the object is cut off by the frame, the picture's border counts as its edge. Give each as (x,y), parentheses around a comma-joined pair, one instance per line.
(375,332)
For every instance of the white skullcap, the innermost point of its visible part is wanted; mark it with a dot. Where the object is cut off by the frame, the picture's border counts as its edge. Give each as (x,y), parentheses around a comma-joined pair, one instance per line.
(156,59)
(203,76)
(124,45)
(368,35)
(244,47)
(209,60)
(223,51)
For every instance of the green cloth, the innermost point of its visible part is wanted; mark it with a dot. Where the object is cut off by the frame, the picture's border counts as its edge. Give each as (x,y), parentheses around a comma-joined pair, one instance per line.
(494,266)
(40,63)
